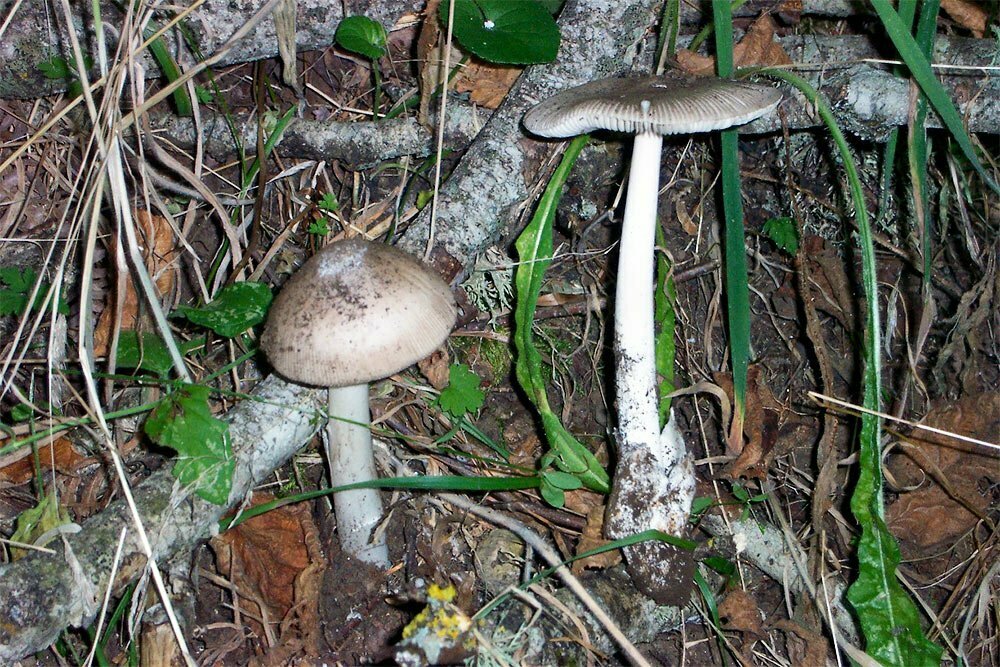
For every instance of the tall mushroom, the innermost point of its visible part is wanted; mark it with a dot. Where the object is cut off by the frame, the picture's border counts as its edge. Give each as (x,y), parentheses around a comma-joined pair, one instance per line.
(654,480)
(356,312)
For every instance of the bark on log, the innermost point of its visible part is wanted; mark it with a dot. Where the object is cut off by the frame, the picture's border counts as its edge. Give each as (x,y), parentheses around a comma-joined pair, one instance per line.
(44,593)
(39,33)
(491,181)
(867,100)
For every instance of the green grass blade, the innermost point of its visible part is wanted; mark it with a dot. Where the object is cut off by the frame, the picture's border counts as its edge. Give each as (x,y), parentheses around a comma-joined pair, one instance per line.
(534,249)
(418,483)
(921,71)
(889,619)
(737,281)
(917,152)
(163,57)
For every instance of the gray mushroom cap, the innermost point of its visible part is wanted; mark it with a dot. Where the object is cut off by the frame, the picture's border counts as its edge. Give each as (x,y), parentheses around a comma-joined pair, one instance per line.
(356,312)
(666,104)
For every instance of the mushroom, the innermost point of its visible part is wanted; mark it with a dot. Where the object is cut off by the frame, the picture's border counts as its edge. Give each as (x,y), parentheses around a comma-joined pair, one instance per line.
(654,481)
(356,312)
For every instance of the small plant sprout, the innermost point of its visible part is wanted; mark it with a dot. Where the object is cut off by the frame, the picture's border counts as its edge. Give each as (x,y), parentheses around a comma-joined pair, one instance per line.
(654,483)
(356,312)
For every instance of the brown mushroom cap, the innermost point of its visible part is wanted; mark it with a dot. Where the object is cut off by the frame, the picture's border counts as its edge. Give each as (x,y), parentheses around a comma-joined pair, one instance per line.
(666,104)
(356,312)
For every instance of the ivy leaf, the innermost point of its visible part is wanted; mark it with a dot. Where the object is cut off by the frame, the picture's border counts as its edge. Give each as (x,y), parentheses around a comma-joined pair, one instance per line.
(184,423)
(235,309)
(362,35)
(782,231)
(462,395)
(501,31)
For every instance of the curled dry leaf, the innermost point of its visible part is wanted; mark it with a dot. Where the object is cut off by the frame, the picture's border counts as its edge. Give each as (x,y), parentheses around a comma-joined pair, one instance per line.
(756,48)
(953,478)
(159,252)
(436,368)
(761,426)
(739,611)
(970,15)
(19,467)
(486,84)
(811,648)
(276,559)
(592,538)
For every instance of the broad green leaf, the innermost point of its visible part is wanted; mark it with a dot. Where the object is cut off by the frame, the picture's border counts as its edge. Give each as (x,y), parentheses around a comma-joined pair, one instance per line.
(782,231)
(144,352)
(235,309)
(501,31)
(551,494)
(534,248)
(561,480)
(184,423)
(362,35)
(462,395)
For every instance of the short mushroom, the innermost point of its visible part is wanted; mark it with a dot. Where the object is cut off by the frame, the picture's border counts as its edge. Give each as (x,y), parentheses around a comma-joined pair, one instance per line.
(654,481)
(356,312)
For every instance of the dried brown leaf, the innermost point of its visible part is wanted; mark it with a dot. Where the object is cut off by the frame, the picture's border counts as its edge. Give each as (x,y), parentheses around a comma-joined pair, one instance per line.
(757,48)
(275,558)
(970,15)
(486,84)
(592,538)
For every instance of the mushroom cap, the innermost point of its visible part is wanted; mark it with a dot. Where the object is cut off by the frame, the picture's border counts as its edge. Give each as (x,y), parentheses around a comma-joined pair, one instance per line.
(666,104)
(356,312)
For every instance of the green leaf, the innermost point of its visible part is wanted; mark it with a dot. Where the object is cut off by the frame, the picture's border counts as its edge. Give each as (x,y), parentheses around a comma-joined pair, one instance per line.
(699,506)
(19,284)
(55,68)
(534,248)
(144,352)
(184,422)
(329,203)
(562,480)
(782,231)
(319,227)
(501,31)
(34,522)
(234,309)
(665,318)
(462,395)
(551,494)
(362,35)
(723,566)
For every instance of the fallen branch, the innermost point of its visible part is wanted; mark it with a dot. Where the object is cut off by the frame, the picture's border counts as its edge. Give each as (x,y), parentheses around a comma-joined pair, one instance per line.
(43,593)
(36,36)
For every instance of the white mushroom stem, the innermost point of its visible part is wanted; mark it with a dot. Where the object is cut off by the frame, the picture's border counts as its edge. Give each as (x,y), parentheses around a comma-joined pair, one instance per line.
(349,449)
(654,480)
